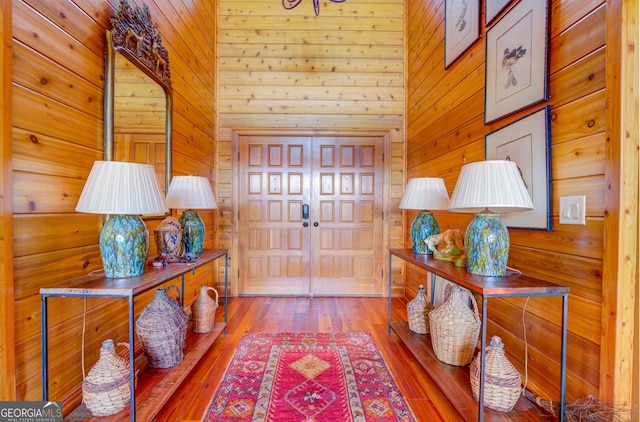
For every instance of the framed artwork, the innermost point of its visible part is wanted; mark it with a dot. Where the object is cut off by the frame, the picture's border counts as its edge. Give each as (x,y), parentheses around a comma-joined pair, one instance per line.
(527,142)
(516,62)
(461,27)
(492,8)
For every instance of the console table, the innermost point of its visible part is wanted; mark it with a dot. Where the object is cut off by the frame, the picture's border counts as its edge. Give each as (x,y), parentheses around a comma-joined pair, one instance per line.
(99,286)
(446,376)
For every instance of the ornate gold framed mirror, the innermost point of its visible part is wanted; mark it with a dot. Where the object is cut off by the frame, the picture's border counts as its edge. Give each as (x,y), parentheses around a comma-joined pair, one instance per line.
(138,95)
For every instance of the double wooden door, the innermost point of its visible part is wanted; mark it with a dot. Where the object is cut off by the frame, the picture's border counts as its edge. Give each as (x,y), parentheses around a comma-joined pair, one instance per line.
(310,215)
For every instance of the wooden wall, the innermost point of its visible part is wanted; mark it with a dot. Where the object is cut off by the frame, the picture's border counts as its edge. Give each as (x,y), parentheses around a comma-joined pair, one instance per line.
(620,347)
(58,90)
(7,355)
(292,71)
(445,129)
(288,70)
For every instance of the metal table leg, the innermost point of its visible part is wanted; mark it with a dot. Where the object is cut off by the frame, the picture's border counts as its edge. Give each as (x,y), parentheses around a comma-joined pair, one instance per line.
(226,289)
(132,363)
(389,298)
(45,350)
(563,355)
(482,359)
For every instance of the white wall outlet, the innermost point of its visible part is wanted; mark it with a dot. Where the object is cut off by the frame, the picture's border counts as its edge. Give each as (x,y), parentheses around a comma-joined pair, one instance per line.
(573,210)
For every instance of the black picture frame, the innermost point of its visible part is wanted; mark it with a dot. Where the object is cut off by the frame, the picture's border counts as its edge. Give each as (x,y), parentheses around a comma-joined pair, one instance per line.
(517,74)
(527,141)
(493,8)
(462,28)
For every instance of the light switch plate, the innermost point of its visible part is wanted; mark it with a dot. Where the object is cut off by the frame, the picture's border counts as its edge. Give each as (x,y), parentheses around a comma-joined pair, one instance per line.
(573,210)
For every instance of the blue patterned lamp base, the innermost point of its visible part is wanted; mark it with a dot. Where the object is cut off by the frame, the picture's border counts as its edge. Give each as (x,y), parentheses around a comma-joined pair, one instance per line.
(486,244)
(192,233)
(124,245)
(423,226)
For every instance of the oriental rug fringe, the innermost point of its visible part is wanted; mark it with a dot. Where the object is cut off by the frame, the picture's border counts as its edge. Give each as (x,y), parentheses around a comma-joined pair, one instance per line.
(303,377)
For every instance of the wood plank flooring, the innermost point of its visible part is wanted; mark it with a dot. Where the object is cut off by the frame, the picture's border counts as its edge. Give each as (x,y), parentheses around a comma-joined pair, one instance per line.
(298,314)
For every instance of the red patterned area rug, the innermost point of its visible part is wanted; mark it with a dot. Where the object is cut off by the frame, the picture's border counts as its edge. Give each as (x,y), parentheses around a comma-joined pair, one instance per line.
(305,377)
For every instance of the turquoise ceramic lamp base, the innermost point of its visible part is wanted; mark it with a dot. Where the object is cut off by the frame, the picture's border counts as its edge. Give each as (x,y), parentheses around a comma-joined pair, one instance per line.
(193,233)
(486,244)
(423,226)
(124,245)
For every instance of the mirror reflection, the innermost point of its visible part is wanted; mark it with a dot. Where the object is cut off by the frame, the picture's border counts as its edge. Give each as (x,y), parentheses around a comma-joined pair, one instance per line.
(139,118)
(138,96)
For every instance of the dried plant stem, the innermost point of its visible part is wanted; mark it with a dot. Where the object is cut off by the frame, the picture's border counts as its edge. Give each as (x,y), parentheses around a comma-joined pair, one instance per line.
(586,409)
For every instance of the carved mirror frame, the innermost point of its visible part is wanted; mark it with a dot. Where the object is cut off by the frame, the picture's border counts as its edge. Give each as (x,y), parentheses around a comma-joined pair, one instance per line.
(136,37)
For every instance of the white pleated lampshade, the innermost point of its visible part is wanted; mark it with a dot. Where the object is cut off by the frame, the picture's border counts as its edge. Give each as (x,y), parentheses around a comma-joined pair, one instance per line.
(123,188)
(496,185)
(425,193)
(190,192)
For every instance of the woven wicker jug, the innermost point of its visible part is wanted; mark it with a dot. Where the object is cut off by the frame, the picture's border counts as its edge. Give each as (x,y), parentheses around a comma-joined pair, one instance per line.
(162,330)
(501,379)
(455,327)
(418,312)
(203,310)
(105,390)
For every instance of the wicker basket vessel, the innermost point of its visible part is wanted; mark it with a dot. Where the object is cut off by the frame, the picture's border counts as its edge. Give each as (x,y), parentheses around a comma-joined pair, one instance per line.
(455,327)
(203,310)
(501,379)
(418,312)
(162,330)
(105,390)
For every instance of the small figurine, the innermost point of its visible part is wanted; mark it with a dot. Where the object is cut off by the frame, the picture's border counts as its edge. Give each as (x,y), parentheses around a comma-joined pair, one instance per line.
(453,249)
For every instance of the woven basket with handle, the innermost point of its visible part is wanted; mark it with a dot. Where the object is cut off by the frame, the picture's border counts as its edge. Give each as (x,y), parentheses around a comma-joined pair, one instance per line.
(203,310)
(455,327)
(501,379)
(162,329)
(105,390)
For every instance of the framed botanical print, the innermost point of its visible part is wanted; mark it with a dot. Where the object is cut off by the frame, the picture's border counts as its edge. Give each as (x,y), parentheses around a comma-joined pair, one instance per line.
(461,27)
(516,61)
(527,142)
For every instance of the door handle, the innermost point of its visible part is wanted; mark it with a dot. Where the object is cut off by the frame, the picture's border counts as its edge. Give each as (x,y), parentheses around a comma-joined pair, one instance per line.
(305,212)
(315,224)
(305,224)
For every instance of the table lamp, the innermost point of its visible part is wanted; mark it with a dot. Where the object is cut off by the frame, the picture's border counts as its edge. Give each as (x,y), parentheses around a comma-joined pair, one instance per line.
(488,188)
(423,194)
(124,191)
(190,193)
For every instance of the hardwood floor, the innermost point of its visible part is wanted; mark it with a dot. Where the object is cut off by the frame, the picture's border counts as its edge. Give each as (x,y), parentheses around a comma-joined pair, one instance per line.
(297,314)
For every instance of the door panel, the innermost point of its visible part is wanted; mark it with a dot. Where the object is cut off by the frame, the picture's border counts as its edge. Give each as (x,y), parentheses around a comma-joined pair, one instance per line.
(339,252)
(346,245)
(274,246)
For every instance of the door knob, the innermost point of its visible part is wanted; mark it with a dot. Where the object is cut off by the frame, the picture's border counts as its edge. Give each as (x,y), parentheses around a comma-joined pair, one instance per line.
(315,224)
(305,224)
